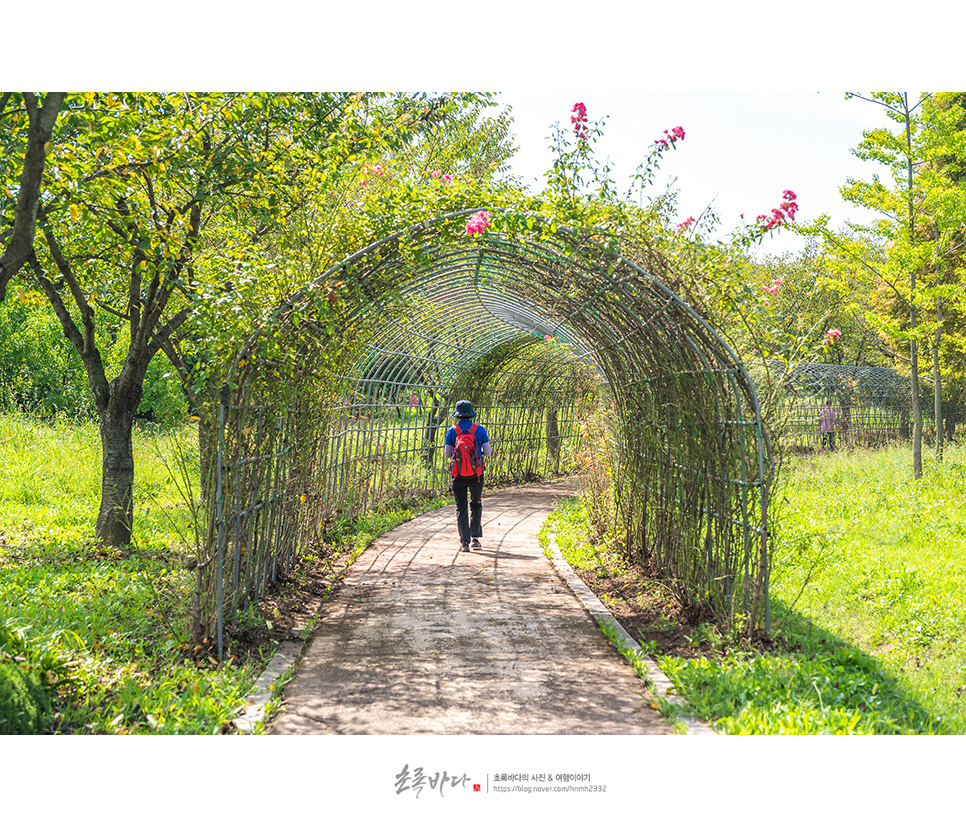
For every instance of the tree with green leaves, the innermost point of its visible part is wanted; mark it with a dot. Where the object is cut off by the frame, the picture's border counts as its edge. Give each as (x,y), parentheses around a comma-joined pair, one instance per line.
(151,200)
(923,212)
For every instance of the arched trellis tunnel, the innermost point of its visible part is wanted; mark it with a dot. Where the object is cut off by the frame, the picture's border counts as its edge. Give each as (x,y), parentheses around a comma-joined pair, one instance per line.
(339,404)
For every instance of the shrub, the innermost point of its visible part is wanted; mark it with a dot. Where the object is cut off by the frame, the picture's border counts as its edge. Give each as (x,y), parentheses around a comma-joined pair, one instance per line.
(24,705)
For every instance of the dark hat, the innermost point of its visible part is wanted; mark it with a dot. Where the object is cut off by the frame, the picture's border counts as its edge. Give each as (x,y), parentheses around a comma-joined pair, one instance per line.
(463,411)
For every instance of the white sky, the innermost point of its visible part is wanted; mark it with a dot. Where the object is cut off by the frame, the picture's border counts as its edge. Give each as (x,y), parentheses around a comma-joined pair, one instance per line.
(740,152)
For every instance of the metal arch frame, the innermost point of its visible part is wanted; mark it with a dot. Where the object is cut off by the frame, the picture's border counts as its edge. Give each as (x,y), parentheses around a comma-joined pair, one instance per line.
(504,275)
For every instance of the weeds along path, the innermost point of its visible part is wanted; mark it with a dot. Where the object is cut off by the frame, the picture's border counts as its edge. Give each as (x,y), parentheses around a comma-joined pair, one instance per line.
(423,639)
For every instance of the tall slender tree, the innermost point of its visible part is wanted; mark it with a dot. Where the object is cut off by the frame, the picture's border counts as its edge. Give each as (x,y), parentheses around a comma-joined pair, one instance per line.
(921,213)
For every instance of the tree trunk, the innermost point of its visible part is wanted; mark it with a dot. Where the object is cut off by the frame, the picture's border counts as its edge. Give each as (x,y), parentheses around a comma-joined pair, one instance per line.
(21,241)
(916,411)
(115,519)
(913,342)
(938,385)
(553,437)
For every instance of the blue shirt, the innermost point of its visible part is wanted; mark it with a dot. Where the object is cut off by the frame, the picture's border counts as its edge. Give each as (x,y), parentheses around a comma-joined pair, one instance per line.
(481,435)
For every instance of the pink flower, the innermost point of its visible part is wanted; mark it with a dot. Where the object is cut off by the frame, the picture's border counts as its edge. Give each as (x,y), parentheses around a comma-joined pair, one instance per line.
(832,335)
(779,215)
(447,178)
(547,338)
(377,170)
(415,400)
(670,137)
(436,174)
(684,224)
(579,120)
(478,223)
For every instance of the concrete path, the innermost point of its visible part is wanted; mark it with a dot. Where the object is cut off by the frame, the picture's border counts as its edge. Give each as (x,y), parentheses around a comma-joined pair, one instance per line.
(422,639)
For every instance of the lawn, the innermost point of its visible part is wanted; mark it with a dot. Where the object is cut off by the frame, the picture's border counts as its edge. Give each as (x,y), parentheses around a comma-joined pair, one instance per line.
(868,602)
(108,631)
(877,559)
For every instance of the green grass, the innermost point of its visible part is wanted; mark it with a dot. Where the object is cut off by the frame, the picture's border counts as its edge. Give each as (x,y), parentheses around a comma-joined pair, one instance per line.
(875,558)
(118,621)
(107,632)
(868,604)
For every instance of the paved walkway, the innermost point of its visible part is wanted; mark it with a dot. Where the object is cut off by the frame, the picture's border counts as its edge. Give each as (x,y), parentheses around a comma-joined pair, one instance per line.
(422,639)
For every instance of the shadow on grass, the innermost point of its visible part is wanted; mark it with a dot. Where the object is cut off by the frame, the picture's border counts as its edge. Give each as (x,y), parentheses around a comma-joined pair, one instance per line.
(808,681)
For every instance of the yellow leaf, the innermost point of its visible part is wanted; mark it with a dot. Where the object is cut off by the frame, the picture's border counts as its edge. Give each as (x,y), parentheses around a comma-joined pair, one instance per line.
(74,213)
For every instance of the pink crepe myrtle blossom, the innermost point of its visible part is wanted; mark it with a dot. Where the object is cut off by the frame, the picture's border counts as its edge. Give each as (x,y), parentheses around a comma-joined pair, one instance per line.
(778,216)
(415,400)
(671,136)
(478,223)
(578,119)
(684,225)
(447,178)
(832,335)
(436,174)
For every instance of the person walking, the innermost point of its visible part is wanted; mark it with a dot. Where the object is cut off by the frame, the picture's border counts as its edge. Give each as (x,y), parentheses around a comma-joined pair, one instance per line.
(826,425)
(466,444)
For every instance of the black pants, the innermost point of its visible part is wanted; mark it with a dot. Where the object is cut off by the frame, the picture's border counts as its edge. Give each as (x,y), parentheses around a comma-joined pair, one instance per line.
(470,524)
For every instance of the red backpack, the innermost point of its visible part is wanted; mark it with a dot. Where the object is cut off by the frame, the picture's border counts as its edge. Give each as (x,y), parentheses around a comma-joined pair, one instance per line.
(467,462)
